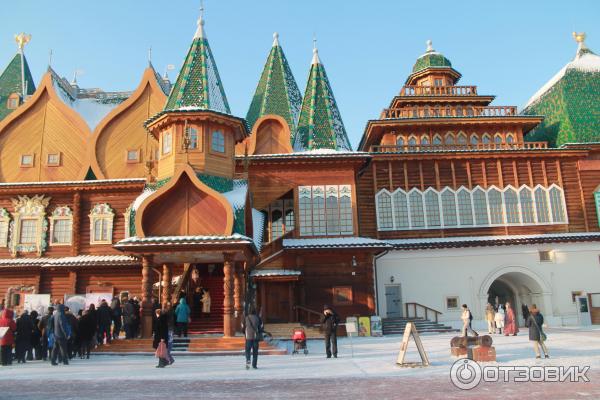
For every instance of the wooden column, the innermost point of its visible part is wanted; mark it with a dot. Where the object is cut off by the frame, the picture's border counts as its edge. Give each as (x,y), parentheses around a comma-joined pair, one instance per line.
(291,301)
(146,296)
(166,284)
(228,323)
(263,300)
(76,229)
(237,297)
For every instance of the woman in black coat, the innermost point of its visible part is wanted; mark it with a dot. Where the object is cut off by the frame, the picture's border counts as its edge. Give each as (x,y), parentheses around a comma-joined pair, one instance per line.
(36,338)
(23,339)
(160,329)
(534,322)
(87,330)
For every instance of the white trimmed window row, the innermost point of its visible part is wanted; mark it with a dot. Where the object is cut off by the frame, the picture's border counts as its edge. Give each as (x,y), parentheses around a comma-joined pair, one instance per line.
(450,138)
(477,207)
(325,210)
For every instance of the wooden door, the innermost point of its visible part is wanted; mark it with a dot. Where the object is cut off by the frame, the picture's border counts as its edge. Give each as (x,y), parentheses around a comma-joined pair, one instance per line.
(594,300)
(278,302)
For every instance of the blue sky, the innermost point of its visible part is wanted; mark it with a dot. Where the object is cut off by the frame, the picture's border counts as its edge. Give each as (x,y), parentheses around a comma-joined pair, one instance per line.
(507,48)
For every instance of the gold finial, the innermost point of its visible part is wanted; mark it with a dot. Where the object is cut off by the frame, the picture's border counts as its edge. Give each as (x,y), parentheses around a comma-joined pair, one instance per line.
(579,37)
(22,39)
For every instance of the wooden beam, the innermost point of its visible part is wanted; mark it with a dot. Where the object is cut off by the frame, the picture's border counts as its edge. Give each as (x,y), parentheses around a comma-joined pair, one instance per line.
(469,174)
(391,183)
(485,182)
(500,177)
(544,173)
(422,181)
(436,167)
(453,174)
(515,174)
(585,217)
(530,173)
(75,236)
(406,176)
(559,173)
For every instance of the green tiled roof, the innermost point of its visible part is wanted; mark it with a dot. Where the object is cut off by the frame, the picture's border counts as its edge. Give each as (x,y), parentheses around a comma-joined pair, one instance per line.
(198,84)
(431,59)
(10,82)
(320,125)
(570,103)
(277,92)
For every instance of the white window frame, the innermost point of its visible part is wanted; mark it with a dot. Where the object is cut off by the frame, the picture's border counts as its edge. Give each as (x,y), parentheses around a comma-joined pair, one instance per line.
(4,227)
(101,211)
(62,213)
(307,214)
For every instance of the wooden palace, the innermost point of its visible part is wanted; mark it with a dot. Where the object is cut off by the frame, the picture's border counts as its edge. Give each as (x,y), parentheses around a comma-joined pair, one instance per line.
(160,190)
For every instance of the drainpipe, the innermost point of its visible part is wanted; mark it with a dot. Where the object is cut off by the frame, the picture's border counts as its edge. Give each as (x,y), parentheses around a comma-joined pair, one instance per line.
(375,258)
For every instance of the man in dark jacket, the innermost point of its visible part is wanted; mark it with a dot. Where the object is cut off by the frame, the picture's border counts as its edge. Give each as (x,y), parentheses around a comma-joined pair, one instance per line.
(60,328)
(36,338)
(136,317)
(534,322)
(23,339)
(330,322)
(72,343)
(44,328)
(87,330)
(104,322)
(115,307)
(128,317)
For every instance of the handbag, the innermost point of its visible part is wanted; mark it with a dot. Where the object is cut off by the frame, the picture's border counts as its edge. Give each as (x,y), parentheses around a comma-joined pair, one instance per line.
(162,351)
(543,336)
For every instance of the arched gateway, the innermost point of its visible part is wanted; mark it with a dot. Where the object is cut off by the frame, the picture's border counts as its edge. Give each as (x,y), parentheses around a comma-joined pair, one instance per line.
(517,285)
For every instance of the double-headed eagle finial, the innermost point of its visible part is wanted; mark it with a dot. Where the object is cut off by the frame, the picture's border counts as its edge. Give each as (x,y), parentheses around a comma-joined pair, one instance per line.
(22,39)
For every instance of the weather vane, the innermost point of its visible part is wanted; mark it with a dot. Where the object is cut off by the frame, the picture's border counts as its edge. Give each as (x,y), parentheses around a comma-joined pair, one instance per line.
(22,39)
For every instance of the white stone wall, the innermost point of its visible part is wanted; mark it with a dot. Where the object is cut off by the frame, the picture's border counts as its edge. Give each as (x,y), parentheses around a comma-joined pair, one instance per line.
(429,276)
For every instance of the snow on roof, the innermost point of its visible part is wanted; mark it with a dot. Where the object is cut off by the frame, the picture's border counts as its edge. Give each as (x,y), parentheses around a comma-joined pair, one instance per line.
(91,182)
(183,239)
(587,62)
(331,242)
(258,225)
(275,272)
(140,199)
(66,261)
(548,237)
(237,196)
(319,153)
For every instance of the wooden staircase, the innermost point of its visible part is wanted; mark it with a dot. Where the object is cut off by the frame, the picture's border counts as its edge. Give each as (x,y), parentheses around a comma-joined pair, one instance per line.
(202,346)
(213,324)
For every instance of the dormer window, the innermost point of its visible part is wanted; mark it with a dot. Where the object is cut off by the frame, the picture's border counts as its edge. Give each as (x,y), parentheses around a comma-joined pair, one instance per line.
(217,142)
(167,143)
(27,160)
(53,159)
(133,156)
(193,137)
(13,101)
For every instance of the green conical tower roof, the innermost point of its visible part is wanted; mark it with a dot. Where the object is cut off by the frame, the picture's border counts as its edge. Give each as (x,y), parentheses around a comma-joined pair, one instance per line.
(570,102)
(277,92)
(198,84)
(430,59)
(11,81)
(320,125)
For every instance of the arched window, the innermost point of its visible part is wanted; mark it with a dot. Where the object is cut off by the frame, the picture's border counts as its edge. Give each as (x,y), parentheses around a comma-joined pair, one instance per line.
(101,224)
(305,210)
(437,139)
(276,224)
(384,211)
(449,138)
(498,138)
(459,111)
(469,111)
(474,140)
(449,208)
(461,138)
(448,111)
(401,210)
(480,207)
(400,140)
(465,211)
(556,204)
(318,211)
(425,140)
(332,207)
(346,216)
(417,217)
(541,205)
(486,138)
(412,141)
(61,223)
(432,209)
(510,138)
(495,204)
(426,112)
(526,200)
(217,143)
(511,204)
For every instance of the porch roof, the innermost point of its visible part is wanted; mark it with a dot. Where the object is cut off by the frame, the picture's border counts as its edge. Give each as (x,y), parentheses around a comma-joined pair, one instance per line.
(276,274)
(335,243)
(77,261)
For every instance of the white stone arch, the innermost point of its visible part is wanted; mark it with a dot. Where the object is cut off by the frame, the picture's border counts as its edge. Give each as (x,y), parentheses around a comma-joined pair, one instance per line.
(515,276)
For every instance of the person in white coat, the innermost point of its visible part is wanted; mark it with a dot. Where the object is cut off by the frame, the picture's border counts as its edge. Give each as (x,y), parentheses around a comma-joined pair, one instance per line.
(467,317)
(206,302)
(499,319)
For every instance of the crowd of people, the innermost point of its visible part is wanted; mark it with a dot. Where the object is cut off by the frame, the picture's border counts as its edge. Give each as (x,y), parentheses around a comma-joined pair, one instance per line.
(60,335)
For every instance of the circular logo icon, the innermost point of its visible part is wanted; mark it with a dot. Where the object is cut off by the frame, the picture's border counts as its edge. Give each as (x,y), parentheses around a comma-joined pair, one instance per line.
(465,374)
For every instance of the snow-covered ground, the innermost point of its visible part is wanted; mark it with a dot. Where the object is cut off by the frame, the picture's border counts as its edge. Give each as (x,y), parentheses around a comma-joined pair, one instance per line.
(373,364)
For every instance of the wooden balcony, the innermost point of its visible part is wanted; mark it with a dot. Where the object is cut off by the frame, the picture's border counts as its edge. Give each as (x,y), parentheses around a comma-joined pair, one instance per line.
(412,90)
(458,147)
(446,112)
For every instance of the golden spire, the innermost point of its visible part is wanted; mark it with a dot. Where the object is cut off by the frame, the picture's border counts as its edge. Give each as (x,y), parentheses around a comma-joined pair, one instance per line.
(22,39)
(579,37)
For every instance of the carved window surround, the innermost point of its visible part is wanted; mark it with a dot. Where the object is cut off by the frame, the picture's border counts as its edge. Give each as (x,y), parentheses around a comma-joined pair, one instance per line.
(63,213)
(29,208)
(101,224)
(4,227)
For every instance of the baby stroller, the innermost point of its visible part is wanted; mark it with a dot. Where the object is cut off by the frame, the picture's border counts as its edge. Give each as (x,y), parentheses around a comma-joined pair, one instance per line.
(299,338)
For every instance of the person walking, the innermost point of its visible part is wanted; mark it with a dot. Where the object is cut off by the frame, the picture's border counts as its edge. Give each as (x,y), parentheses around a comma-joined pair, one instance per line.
(499,319)
(467,318)
(252,326)
(182,312)
(330,322)
(104,322)
(534,322)
(128,317)
(115,307)
(61,330)
(137,317)
(171,324)
(23,337)
(160,330)
(87,330)
(206,301)
(44,329)
(510,322)
(489,317)
(7,341)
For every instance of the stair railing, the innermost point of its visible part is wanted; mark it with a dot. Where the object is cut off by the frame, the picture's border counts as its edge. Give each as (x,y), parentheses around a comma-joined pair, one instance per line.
(309,314)
(183,282)
(417,306)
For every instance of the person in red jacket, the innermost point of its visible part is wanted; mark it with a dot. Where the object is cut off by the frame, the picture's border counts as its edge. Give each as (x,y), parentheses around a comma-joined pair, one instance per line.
(7,341)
